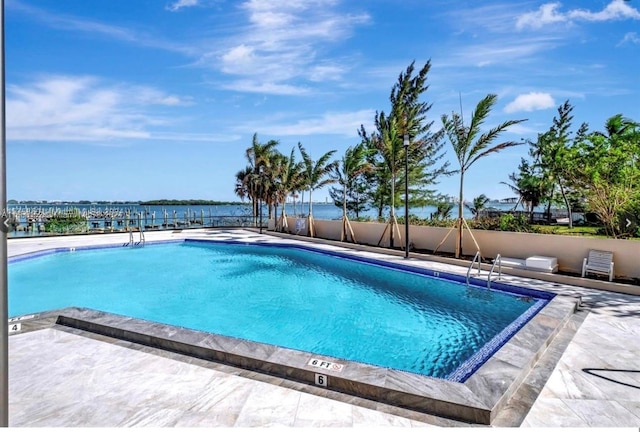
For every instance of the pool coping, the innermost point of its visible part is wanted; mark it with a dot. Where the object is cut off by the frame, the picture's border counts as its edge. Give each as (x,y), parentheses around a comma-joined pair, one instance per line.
(477,400)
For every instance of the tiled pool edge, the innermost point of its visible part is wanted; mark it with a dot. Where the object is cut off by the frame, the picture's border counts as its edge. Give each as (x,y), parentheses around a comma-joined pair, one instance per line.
(50,251)
(460,374)
(478,400)
(499,379)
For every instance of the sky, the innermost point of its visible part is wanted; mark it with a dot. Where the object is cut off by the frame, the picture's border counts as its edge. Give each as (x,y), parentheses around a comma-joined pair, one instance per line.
(151,99)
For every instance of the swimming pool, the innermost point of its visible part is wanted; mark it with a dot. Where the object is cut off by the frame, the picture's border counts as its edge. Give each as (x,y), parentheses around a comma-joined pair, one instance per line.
(357,311)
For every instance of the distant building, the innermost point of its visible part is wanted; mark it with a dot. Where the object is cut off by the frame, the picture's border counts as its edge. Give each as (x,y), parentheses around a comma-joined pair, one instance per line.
(509,200)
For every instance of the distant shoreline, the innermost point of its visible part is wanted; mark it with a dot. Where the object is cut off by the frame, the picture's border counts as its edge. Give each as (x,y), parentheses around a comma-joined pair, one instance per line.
(192,202)
(162,202)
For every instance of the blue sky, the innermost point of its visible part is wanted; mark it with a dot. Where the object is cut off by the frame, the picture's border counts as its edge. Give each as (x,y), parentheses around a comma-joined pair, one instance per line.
(149,99)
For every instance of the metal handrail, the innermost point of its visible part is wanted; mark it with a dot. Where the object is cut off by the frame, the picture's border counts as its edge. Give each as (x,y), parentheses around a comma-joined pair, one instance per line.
(141,231)
(498,261)
(478,258)
(99,225)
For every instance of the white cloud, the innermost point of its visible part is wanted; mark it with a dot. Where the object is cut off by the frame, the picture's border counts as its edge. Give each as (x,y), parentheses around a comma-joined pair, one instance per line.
(194,137)
(521,130)
(151,96)
(238,59)
(331,123)
(616,10)
(326,72)
(484,18)
(252,86)
(530,102)
(181,4)
(73,23)
(549,13)
(283,44)
(71,108)
(546,14)
(500,52)
(631,37)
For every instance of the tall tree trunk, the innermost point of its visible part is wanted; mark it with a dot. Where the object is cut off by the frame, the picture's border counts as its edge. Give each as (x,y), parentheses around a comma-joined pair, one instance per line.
(344,212)
(254,209)
(553,188)
(310,226)
(566,202)
(393,209)
(283,215)
(460,205)
(531,213)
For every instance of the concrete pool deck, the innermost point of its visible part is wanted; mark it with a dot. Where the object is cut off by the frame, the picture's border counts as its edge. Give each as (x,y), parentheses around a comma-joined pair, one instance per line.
(593,382)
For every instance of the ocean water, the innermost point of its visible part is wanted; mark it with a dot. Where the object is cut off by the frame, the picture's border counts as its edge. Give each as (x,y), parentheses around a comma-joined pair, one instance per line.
(320,210)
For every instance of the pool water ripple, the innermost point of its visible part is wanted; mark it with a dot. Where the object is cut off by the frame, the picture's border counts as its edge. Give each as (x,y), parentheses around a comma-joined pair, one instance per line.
(281,296)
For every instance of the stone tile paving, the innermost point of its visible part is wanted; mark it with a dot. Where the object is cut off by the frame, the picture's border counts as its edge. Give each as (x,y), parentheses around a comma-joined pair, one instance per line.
(596,382)
(58,378)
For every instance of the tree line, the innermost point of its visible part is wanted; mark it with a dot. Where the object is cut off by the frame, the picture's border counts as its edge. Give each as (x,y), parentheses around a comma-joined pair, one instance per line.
(595,171)
(598,169)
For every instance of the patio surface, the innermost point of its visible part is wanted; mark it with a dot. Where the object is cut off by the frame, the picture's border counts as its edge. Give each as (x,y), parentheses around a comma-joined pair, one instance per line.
(59,376)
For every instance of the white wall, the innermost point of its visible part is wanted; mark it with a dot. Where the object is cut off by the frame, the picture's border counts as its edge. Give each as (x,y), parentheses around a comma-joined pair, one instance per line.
(570,250)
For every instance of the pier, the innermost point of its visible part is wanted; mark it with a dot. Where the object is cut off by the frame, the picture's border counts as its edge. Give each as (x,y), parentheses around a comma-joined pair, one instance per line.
(31,221)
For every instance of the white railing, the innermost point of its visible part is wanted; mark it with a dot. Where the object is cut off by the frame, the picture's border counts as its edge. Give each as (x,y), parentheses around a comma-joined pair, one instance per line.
(477,258)
(497,261)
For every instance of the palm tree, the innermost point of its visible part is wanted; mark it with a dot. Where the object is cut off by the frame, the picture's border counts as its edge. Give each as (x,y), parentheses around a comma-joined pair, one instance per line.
(345,172)
(259,157)
(443,210)
(242,188)
(287,178)
(315,174)
(469,145)
(530,185)
(478,204)
(618,126)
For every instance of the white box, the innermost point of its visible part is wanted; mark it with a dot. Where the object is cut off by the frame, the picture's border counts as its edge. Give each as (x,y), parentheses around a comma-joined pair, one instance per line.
(545,263)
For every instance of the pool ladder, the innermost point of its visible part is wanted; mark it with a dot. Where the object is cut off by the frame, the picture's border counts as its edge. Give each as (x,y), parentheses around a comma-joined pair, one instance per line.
(478,258)
(140,243)
(132,243)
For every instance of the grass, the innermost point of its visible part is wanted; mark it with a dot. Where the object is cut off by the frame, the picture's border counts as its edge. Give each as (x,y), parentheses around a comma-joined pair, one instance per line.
(589,231)
(586,231)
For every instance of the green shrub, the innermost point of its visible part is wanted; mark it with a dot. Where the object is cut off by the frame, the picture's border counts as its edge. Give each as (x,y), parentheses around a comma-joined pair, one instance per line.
(506,222)
(361,219)
(509,222)
(71,222)
(416,221)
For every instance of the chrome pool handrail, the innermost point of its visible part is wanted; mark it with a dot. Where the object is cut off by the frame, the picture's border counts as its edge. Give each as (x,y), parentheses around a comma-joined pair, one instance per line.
(498,261)
(478,258)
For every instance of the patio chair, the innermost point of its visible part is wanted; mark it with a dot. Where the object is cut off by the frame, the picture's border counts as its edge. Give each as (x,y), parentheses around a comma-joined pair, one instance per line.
(598,262)
(301,225)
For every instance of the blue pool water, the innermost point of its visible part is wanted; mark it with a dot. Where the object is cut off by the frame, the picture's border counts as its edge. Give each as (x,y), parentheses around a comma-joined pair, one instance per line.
(283,296)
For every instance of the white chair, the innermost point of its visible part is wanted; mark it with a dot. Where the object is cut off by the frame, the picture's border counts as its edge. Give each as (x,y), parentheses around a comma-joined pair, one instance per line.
(301,225)
(598,262)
